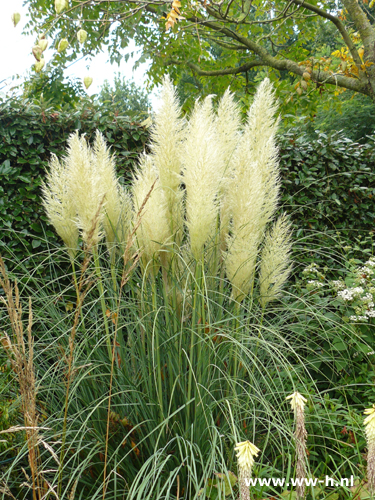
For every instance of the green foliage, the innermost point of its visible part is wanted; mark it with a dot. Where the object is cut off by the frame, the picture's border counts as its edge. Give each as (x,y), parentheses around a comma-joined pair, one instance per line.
(125,97)
(49,87)
(351,113)
(328,186)
(217,45)
(168,437)
(29,134)
(349,300)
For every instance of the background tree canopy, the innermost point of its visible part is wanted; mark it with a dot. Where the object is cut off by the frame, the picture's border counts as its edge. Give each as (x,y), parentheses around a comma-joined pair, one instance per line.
(124,97)
(224,38)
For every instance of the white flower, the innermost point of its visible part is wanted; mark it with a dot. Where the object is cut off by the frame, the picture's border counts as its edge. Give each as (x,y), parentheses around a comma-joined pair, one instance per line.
(312,268)
(357,291)
(338,284)
(367,298)
(315,283)
(345,294)
(358,318)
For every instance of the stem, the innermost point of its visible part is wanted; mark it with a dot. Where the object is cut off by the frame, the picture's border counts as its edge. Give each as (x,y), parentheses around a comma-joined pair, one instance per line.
(193,334)
(77,292)
(102,300)
(113,269)
(257,344)
(157,348)
(236,326)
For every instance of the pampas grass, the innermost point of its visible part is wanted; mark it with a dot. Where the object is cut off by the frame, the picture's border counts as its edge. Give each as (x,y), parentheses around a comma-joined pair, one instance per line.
(274,267)
(253,192)
(167,135)
(176,364)
(154,230)
(59,205)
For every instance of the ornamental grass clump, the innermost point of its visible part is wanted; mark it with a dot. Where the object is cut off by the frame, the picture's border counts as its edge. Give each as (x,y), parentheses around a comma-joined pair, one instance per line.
(180,347)
(21,355)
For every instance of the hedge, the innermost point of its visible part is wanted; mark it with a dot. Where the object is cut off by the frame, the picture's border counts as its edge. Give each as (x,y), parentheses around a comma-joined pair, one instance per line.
(328,184)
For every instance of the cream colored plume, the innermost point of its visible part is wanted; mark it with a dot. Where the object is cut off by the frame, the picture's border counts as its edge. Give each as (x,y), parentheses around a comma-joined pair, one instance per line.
(167,135)
(228,123)
(85,188)
(202,171)
(245,199)
(253,190)
(153,233)
(260,137)
(59,204)
(106,171)
(275,260)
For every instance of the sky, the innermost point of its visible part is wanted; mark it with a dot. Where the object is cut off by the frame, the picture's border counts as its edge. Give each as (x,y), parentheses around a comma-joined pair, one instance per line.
(17,57)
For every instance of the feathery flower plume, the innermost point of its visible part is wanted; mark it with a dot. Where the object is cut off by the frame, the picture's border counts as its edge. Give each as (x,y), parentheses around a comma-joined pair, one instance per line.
(253,192)
(245,199)
(260,138)
(297,402)
(85,187)
(369,423)
(59,205)
(167,135)
(246,452)
(275,269)
(106,171)
(228,123)
(202,168)
(153,232)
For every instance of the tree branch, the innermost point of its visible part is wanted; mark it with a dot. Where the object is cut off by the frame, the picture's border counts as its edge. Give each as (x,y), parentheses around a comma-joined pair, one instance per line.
(217,72)
(281,64)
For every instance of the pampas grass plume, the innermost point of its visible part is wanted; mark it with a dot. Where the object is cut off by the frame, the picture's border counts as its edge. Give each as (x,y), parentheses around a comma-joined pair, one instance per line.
(253,192)
(85,188)
(275,259)
(106,170)
(59,204)
(202,170)
(228,123)
(166,136)
(260,138)
(153,232)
